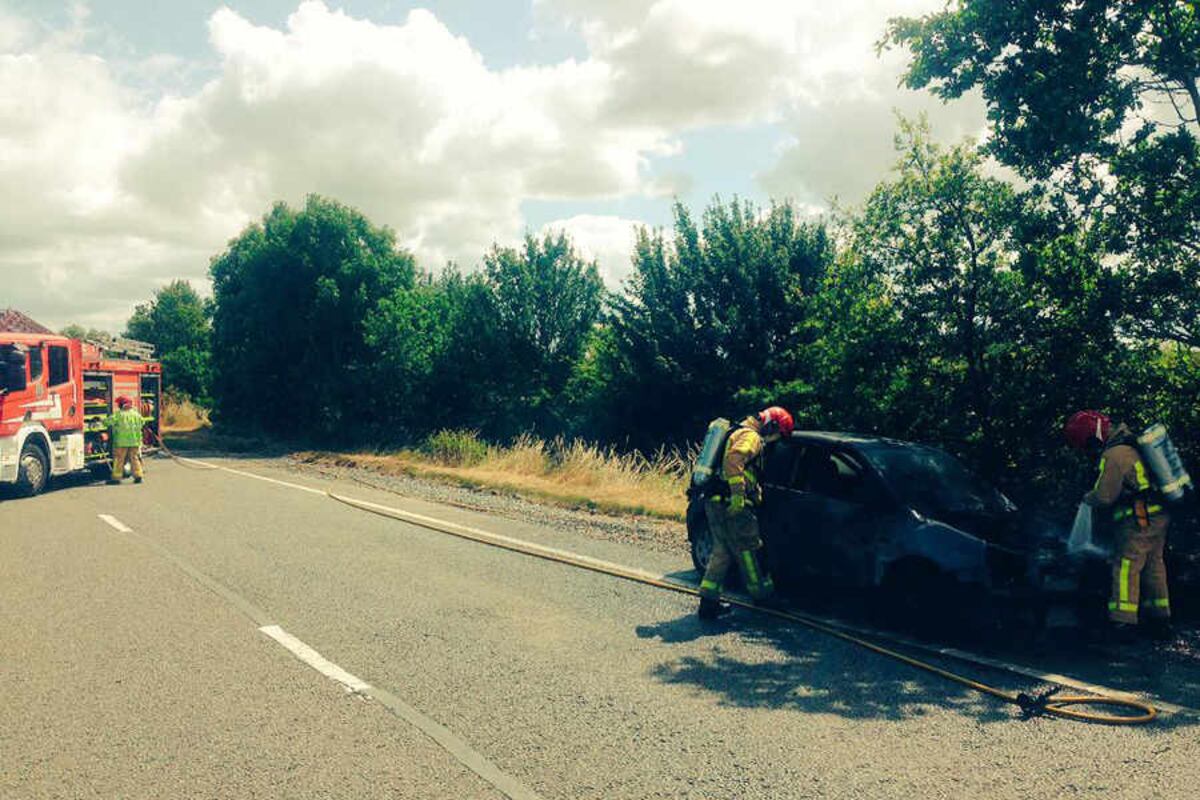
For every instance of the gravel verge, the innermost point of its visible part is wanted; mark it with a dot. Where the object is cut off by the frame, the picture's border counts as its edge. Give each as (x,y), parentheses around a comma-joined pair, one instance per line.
(658,535)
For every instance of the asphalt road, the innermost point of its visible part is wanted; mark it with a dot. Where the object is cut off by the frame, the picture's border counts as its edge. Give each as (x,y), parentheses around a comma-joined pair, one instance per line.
(132,666)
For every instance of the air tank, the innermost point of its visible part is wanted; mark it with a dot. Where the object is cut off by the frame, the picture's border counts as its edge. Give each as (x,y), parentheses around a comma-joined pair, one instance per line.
(709,460)
(1164,462)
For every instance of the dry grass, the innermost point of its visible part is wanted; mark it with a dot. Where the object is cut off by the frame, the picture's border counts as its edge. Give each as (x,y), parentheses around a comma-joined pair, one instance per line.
(569,473)
(181,416)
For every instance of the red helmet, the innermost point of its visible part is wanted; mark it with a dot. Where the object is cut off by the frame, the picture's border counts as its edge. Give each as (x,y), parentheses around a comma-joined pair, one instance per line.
(776,420)
(124,402)
(1083,426)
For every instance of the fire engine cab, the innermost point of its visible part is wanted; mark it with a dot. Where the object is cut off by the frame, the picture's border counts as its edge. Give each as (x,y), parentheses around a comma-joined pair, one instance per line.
(56,394)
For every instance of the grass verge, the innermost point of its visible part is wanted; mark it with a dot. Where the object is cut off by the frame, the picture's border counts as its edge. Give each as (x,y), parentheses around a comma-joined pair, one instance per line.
(572,474)
(180,415)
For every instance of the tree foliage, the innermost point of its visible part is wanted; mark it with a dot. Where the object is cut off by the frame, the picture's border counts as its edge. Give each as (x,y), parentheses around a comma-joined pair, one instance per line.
(493,351)
(177,321)
(292,295)
(1098,101)
(718,309)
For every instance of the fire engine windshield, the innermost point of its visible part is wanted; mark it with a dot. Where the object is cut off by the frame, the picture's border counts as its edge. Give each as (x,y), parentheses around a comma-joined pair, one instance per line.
(12,368)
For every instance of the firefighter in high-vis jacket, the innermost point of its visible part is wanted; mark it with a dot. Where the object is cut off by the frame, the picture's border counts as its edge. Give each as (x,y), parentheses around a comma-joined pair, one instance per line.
(125,430)
(1125,488)
(731,511)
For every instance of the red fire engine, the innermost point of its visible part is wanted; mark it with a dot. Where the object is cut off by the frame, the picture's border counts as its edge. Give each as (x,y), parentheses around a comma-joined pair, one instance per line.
(55,395)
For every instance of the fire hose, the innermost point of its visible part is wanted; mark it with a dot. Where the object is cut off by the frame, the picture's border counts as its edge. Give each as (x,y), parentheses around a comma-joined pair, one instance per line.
(1049,703)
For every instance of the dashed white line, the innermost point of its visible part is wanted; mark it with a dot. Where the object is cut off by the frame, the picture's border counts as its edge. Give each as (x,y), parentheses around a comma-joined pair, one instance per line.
(315,660)
(116,523)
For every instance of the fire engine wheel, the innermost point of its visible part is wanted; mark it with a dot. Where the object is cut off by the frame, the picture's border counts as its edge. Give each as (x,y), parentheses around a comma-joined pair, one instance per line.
(33,471)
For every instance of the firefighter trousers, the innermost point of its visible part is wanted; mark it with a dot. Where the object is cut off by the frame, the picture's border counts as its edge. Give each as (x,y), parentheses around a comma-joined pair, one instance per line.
(735,539)
(1139,575)
(124,454)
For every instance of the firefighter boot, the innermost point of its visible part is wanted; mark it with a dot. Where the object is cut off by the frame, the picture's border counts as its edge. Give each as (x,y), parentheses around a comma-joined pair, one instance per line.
(1120,633)
(711,608)
(1158,630)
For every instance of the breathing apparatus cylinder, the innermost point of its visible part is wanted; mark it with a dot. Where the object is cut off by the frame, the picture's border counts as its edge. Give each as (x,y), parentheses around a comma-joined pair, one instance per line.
(1160,455)
(709,461)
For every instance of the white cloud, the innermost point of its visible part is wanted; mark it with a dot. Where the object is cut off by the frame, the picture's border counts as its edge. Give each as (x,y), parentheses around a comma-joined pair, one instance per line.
(811,67)
(607,240)
(402,121)
(109,193)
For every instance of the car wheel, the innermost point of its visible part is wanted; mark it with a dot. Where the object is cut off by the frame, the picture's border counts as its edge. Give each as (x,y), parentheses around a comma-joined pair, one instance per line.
(33,471)
(699,537)
(916,596)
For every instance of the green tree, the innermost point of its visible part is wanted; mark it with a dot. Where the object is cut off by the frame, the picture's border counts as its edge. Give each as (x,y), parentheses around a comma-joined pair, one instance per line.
(436,348)
(1098,101)
(291,298)
(967,315)
(545,300)
(177,321)
(716,311)
(1062,81)
(76,331)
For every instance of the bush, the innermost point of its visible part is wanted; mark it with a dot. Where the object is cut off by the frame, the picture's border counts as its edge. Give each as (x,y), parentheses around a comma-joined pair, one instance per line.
(456,448)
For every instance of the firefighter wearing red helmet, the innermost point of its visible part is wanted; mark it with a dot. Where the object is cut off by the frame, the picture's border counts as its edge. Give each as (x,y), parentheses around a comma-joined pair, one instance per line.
(731,514)
(125,432)
(1139,576)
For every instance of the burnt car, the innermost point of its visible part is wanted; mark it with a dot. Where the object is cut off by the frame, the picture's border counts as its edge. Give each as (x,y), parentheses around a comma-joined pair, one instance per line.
(853,513)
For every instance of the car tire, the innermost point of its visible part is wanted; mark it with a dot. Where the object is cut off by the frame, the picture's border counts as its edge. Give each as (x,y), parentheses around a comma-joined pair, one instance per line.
(33,471)
(915,595)
(700,538)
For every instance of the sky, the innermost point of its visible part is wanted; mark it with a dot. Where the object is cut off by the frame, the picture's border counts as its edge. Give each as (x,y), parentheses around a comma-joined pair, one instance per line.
(138,137)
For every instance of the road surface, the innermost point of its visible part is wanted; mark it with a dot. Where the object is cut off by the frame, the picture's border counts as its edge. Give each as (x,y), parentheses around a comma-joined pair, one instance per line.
(209,635)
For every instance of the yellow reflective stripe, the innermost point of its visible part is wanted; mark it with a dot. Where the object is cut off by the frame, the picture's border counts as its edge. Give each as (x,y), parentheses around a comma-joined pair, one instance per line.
(751,567)
(1122,607)
(1158,602)
(1175,486)
(1121,514)
(736,480)
(1125,566)
(1101,475)
(1142,480)
(709,586)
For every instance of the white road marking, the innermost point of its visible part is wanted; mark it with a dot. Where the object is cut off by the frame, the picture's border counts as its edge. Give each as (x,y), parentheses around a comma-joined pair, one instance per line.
(116,523)
(469,757)
(315,660)
(255,477)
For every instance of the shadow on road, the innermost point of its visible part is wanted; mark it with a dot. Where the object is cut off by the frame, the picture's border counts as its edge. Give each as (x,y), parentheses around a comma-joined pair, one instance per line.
(794,668)
(781,666)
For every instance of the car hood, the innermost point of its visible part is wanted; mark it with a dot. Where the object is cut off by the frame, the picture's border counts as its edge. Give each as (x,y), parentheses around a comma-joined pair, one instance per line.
(998,528)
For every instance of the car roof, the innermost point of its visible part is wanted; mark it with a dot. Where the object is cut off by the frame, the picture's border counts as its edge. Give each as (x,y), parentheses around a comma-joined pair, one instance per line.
(842,438)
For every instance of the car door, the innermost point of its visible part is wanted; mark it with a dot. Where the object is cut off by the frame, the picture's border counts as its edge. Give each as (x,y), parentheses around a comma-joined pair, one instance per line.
(787,519)
(843,519)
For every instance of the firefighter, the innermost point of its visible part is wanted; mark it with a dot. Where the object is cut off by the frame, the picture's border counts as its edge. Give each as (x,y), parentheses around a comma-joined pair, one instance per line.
(125,434)
(731,511)
(1139,576)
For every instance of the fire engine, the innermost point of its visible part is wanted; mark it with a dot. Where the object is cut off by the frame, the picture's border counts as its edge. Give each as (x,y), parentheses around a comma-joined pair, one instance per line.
(56,394)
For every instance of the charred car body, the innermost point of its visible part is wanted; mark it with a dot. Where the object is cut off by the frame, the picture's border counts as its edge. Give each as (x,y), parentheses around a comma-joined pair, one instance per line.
(849,512)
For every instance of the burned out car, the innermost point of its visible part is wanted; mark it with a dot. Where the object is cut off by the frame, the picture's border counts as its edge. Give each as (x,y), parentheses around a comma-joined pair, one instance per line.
(860,513)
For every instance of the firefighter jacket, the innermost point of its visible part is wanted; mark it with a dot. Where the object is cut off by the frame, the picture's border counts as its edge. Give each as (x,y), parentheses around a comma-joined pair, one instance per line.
(1124,478)
(743,454)
(126,427)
